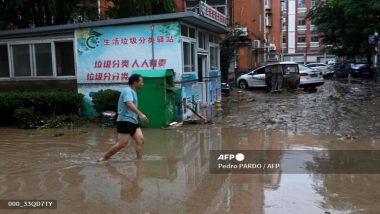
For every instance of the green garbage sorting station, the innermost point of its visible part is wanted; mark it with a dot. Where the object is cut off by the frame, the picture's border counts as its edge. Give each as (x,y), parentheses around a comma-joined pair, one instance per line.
(159,99)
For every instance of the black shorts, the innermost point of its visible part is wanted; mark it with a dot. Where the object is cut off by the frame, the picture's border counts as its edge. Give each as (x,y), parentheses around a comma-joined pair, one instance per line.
(125,127)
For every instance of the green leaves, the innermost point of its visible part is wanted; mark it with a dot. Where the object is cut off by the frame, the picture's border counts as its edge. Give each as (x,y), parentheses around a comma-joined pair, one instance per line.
(39,104)
(106,100)
(346,24)
(132,8)
(35,13)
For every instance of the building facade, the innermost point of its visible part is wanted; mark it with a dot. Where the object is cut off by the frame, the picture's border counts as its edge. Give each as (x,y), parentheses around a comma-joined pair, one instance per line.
(88,57)
(301,42)
(260,25)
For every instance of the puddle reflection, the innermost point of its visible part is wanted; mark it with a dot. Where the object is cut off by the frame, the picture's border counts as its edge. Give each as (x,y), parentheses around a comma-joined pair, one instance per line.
(174,175)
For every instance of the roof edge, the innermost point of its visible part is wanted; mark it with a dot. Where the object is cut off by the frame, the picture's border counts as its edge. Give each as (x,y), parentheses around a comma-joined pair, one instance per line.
(112,22)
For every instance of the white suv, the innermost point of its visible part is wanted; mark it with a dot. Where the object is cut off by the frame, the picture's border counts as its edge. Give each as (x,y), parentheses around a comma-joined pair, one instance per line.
(260,78)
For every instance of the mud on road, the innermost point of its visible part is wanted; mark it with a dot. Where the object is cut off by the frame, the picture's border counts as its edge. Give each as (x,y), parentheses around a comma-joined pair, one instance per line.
(338,107)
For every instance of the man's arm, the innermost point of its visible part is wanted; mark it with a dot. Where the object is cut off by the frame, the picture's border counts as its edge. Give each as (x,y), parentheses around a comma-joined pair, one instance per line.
(133,108)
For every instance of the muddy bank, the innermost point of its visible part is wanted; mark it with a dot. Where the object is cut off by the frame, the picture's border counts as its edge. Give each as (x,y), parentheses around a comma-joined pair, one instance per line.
(338,108)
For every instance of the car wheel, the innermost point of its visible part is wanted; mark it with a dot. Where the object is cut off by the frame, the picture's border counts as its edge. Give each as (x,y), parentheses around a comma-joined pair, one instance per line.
(243,84)
(313,89)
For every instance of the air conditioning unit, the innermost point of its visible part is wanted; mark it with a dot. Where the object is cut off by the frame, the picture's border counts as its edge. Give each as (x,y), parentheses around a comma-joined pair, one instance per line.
(256,44)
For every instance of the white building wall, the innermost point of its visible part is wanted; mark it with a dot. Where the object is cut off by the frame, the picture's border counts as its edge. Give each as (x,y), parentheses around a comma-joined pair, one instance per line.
(292,11)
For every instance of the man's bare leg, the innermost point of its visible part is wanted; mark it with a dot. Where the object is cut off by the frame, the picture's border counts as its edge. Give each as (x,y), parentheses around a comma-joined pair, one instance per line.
(122,141)
(139,139)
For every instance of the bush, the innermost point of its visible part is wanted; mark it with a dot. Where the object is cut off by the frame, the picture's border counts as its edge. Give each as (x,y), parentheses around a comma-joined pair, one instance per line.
(30,108)
(54,122)
(26,116)
(106,100)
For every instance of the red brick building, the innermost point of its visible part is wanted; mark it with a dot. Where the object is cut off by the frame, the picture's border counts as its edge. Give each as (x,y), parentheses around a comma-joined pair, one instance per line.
(301,42)
(260,22)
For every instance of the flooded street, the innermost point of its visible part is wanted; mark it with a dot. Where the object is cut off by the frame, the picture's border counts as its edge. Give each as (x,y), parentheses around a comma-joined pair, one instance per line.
(174,177)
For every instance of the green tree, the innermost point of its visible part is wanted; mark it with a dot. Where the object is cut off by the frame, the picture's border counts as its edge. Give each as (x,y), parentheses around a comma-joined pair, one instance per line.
(228,47)
(132,8)
(36,13)
(346,24)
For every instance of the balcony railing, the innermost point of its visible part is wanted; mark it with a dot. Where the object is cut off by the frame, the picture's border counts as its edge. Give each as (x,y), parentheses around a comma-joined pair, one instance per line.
(301,44)
(301,10)
(301,27)
(314,44)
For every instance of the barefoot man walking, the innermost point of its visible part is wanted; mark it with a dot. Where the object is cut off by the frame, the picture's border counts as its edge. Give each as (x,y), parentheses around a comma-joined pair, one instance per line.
(127,119)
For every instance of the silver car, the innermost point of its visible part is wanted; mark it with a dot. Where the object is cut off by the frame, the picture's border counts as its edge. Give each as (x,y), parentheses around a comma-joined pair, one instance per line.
(324,68)
(310,78)
(260,78)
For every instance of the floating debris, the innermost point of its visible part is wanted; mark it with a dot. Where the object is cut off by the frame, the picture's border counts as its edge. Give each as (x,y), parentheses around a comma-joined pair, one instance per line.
(347,138)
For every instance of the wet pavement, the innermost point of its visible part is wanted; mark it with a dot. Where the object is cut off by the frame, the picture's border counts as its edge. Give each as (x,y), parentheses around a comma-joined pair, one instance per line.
(174,177)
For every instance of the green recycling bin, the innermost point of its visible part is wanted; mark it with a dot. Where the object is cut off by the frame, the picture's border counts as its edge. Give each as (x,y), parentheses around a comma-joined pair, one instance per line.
(159,100)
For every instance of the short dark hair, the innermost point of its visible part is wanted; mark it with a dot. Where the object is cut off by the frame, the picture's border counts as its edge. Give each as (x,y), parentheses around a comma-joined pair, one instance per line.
(134,78)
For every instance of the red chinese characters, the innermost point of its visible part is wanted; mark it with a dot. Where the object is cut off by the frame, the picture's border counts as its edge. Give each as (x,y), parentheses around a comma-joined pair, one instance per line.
(98,76)
(108,70)
(125,63)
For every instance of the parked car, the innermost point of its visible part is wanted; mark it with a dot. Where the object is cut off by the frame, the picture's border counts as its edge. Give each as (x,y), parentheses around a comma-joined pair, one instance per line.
(341,70)
(310,78)
(324,68)
(330,71)
(360,70)
(260,77)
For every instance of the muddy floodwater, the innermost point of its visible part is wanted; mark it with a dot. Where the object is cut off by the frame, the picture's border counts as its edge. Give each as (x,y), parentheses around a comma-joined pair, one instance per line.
(175,177)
